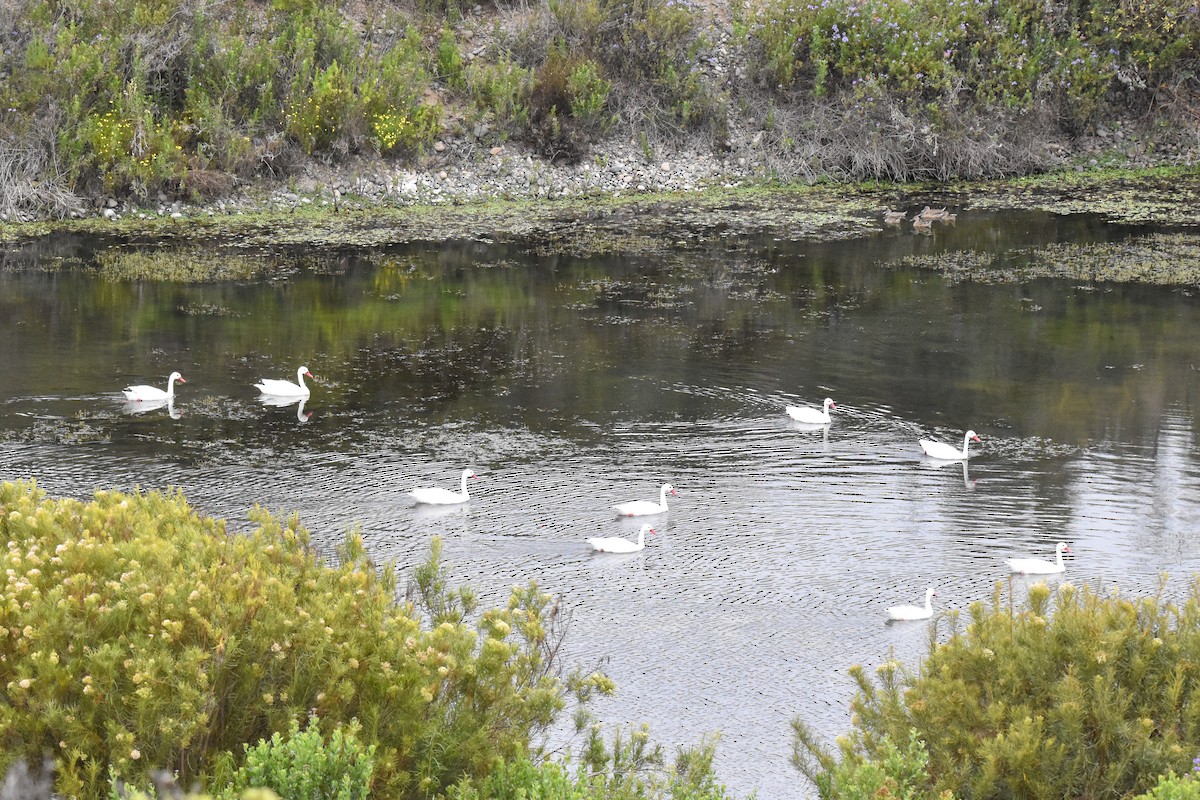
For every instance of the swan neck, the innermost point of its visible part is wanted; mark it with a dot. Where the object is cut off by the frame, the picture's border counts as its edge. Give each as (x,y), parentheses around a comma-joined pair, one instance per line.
(662,497)
(300,379)
(464,485)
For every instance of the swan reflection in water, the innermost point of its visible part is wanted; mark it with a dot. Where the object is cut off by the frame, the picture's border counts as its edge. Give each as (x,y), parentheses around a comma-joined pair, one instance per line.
(936,463)
(135,407)
(811,427)
(279,401)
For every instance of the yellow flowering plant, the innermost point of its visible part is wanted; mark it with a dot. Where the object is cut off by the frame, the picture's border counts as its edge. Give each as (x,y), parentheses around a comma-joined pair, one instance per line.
(131,624)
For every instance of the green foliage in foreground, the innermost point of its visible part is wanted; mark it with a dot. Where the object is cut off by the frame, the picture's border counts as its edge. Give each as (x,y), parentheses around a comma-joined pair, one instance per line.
(1175,787)
(1076,695)
(136,634)
(631,769)
(303,766)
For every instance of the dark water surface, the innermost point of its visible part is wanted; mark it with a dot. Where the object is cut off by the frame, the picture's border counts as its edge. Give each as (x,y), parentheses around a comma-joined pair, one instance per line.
(571,384)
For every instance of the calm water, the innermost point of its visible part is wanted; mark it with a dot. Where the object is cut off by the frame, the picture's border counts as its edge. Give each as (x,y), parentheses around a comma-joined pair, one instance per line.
(571,384)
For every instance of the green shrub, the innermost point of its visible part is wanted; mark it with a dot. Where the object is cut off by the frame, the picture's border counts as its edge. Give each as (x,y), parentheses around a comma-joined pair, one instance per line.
(989,55)
(649,50)
(1175,787)
(449,60)
(140,95)
(501,89)
(894,773)
(306,767)
(630,769)
(138,634)
(522,780)
(587,94)
(1087,696)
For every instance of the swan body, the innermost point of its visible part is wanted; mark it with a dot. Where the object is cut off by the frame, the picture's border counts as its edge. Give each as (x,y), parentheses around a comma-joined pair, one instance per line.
(811,415)
(1039,566)
(438,496)
(914,612)
(642,508)
(615,544)
(142,393)
(278,388)
(947,453)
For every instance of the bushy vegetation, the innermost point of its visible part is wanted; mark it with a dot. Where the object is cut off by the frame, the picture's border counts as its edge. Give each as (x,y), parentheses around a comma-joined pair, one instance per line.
(303,766)
(933,88)
(630,769)
(141,95)
(1075,695)
(1175,787)
(586,67)
(136,635)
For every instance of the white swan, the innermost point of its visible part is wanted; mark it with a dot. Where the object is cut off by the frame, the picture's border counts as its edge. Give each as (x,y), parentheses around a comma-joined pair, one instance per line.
(914,612)
(1040,566)
(811,415)
(278,388)
(444,497)
(615,544)
(142,393)
(642,508)
(947,453)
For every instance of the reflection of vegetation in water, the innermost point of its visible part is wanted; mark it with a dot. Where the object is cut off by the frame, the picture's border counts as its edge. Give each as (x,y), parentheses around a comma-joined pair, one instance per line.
(1166,196)
(57,430)
(1167,259)
(182,265)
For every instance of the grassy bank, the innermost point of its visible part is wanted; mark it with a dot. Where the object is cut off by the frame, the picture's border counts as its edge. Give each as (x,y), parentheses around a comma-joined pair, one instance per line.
(140,98)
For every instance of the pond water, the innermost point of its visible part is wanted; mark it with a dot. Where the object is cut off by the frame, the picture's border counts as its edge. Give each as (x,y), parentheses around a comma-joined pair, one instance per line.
(569,384)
